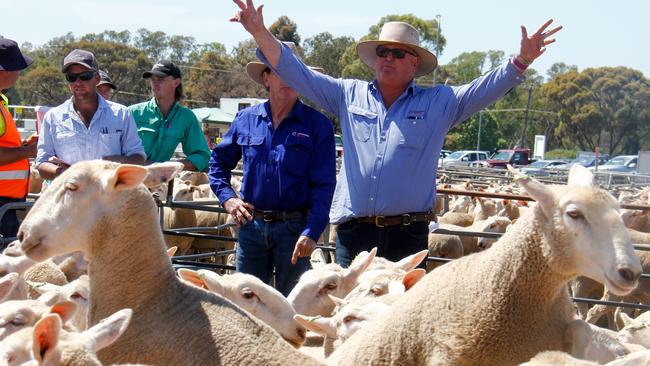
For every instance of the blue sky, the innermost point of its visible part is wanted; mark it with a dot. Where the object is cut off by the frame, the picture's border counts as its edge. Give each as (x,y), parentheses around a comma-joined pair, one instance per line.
(596,33)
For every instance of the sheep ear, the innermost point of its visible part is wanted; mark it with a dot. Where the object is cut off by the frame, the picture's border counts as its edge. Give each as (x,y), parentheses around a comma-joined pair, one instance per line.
(42,287)
(64,309)
(7,284)
(320,325)
(337,300)
(580,176)
(536,190)
(357,267)
(171,251)
(212,281)
(108,330)
(161,173)
(412,277)
(124,177)
(46,338)
(412,261)
(191,277)
(625,319)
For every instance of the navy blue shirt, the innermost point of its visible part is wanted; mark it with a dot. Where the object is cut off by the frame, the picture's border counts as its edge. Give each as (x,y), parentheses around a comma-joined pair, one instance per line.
(290,168)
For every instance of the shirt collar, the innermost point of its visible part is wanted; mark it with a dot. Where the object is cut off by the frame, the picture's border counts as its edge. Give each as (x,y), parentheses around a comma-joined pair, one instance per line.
(154,105)
(412,87)
(264,110)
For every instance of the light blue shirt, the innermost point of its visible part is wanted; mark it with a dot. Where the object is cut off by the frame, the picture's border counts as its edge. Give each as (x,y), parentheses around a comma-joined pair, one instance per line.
(391,155)
(112,131)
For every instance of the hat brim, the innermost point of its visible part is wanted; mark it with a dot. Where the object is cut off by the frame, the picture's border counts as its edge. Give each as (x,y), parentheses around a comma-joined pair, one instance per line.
(107,83)
(428,61)
(148,74)
(65,67)
(255,70)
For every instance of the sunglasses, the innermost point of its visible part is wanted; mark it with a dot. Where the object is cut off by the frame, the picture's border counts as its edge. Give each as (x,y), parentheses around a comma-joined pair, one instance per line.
(382,52)
(84,76)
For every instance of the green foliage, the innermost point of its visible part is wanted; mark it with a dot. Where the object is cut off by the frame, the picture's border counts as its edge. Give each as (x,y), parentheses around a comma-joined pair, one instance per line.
(465,135)
(324,50)
(561,154)
(285,29)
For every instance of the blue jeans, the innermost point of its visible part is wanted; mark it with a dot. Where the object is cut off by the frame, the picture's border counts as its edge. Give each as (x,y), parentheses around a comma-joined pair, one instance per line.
(263,245)
(393,242)
(9,222)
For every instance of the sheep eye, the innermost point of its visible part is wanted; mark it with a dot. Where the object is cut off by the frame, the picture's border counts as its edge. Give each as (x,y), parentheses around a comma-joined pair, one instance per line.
(18,322)
(248,295)
(575,214)
(330,286)
(3,273)
(349,318)
(376,291)
(76,295)
(71,186)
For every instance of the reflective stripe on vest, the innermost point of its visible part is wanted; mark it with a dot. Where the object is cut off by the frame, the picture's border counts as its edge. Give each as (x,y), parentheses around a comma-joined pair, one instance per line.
(14,174)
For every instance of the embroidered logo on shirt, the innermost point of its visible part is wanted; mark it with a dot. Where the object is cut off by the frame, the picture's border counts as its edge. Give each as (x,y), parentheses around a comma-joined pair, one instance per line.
(415,115)
(301,135)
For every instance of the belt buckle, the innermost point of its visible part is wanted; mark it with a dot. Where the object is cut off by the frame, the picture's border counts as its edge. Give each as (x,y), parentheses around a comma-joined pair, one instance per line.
(406,219)
(379,221)
(267,216)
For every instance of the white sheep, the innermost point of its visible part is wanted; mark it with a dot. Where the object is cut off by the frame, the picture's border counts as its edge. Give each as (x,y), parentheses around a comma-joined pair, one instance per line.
(47,343)
(309,296)
(504,305)
(636,331)
(7,284)
(195,178)
(191,326)
(443,246)
(176,217)
(77,291)
(18,314)
(254,296)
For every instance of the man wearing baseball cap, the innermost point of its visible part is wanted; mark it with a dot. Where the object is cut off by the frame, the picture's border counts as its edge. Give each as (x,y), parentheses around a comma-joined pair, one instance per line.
(86,126)
(14,152)
(163,122)
(289,178)
(393,127)
(105,88)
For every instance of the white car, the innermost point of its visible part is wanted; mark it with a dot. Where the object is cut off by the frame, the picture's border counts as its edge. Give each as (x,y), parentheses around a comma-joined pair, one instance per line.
(463,158)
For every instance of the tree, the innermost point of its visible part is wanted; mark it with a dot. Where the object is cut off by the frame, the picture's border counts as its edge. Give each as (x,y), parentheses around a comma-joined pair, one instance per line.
(285,29)
(154,44)
(605,107)
(469,65)
(352,65)
(181,48)
(42,84)
(560,68)
(324,50)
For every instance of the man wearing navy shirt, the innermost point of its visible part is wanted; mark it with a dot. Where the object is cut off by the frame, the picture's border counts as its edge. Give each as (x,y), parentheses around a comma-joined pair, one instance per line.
(289,179)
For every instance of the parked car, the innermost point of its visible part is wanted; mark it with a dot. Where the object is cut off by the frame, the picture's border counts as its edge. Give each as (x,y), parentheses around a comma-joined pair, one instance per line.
(540,168)
(515,157)
(338,140)
(586,161)
(621,163)
(463,158)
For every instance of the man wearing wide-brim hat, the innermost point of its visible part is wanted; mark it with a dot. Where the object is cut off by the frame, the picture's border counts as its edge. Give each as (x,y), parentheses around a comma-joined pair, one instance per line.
(393,129)
(14,151)
(288,181)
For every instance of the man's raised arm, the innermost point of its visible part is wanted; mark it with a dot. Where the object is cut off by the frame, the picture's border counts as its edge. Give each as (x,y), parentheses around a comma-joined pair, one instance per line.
(253,22)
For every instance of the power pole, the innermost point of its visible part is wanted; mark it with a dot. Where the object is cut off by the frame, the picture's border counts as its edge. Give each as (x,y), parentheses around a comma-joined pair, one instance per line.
(522,137)
(435,71)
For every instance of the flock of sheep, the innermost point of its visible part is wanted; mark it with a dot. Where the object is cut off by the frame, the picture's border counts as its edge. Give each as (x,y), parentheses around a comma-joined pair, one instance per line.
(90,282)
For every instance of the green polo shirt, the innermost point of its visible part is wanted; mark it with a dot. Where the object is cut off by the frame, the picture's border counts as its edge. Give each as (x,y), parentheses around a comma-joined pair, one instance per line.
(161,136)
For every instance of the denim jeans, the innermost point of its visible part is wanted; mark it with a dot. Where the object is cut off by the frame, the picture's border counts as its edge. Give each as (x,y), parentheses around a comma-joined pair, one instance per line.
(393,242)
(263,246)
(9,222)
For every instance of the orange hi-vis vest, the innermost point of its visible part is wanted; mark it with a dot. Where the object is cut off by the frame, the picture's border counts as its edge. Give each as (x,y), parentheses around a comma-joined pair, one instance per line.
(14,177)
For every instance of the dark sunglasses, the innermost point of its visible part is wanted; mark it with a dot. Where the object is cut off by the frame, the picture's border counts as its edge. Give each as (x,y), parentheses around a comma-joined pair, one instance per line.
(84,76)
(382,52)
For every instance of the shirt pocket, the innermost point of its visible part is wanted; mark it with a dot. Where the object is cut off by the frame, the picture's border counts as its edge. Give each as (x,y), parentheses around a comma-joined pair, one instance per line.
(148,136)
(171,139)
(251,146)
(412,133)
(110,143)
(297,153)
(66,145)
(363,122)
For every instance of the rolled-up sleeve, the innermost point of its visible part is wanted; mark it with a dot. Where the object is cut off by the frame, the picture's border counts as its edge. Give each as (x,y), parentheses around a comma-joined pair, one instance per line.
(195,147)
(45,145)
(223,160)
(131,143)
(320,88)
(322,176)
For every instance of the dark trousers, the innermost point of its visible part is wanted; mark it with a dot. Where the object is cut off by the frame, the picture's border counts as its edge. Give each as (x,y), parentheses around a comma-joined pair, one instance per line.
(8,222)
(393,242)
(263,246)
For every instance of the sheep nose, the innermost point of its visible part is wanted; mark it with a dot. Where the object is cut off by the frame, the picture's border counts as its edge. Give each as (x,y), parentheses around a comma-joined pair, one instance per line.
(628,275)
(21,235)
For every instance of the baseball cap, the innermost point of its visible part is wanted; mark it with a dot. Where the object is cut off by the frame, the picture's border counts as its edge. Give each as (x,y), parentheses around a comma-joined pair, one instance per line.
(80,57)
(104,79)
(11,59)
(163,69)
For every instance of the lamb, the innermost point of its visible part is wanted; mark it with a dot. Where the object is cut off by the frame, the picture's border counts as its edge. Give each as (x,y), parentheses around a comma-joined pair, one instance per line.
(556,358)
(76,291)
(486,208)
(180,218)
(195,178)
(635,331)
(48,343)
(43,272)
(457,218)
(495,224)
(254,296)
(18,314)
(504,305)
(443,246)
(309,296)
(7,284)
(119,211)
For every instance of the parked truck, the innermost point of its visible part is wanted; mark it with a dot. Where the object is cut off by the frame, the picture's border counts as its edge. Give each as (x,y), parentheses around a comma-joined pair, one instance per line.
(515,157)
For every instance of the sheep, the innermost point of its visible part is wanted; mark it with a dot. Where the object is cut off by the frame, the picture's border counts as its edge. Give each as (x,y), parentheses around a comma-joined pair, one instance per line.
(457,218)
(180,218)
(73,265)
(76,291)
(309,296)
(18,314)
(635,331)
(254,296)
(510,210)
(43,272)
(7,284)
(47,343)
(443,246)
(504,305)
(377,282)
(555,358)
(192,326)
(486,208)
(495,224)
(195,178)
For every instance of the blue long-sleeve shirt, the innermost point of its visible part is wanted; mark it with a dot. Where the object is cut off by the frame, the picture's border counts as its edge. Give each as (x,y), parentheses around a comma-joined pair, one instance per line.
(391,155)
(290,168)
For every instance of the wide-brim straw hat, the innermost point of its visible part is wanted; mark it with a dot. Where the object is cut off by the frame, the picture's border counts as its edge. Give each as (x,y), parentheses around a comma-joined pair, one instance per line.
(394,33)
(255,69)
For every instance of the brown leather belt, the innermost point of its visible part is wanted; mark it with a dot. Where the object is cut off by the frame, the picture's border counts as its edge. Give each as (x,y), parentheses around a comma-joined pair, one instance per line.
(404,219)
(272,215)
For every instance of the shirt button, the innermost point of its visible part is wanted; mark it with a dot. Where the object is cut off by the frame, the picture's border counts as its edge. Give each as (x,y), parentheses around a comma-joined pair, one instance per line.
(374,177)
(372,199)
(378,157)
